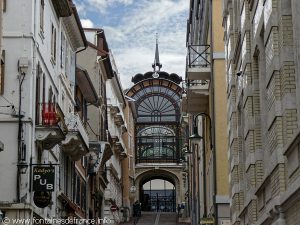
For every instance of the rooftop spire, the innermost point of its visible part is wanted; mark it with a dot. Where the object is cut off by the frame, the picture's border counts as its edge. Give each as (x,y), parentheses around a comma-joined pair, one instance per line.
(156,65)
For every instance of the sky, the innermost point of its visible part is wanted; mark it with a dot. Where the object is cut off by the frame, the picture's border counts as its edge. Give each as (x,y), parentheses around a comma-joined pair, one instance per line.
(130,28)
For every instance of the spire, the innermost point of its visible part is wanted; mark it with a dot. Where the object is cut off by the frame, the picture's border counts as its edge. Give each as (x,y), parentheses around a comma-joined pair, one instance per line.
(156,59)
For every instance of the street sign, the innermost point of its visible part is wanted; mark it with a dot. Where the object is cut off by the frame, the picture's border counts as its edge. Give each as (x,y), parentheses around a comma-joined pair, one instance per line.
(114,208)
(43,178)
(207,220)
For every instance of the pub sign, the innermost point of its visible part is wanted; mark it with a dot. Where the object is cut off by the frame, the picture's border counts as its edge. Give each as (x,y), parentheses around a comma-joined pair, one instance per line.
(43,178)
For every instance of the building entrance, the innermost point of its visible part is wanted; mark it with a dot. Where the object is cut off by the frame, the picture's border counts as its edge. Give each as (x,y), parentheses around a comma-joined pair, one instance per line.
(158,196)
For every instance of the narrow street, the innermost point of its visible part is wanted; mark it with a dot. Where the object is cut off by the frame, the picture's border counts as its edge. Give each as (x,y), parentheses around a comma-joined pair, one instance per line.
(156,218)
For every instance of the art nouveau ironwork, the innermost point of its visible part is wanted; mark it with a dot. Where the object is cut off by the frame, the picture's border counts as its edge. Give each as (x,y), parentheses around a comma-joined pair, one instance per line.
(157,103)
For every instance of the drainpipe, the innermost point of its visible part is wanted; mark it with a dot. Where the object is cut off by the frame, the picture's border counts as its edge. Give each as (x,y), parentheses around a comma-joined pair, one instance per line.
(214,117)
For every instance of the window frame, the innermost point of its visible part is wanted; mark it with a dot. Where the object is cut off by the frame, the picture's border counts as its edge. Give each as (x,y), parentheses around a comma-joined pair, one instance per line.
(53,43)
(2,72)
(42,16)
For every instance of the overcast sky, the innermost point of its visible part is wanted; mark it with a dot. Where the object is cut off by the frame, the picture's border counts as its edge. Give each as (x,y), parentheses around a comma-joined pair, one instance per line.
(130,28)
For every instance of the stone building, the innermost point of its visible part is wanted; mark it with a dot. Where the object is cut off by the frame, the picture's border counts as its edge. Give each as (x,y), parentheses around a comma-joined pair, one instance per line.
(204,114)
(128,164)
(117,126)
(95,59)
(262,65)
(2,54)
(42,126)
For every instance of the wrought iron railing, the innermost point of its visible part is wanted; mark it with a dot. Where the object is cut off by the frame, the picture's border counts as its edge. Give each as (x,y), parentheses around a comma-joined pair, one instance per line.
(198,56)
(159,149)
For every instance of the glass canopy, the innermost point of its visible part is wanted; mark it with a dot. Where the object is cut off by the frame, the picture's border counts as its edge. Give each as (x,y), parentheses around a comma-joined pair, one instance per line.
(157,103)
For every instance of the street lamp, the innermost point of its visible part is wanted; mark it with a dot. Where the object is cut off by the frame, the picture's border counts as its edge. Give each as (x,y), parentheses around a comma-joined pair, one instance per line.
(195,138)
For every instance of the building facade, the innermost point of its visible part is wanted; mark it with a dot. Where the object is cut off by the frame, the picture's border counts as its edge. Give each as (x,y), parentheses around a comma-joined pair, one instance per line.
(262,64)
(117,126)
(43,123)
(158,137)
(2,62)
(95,59)
(204,114)
(128,163)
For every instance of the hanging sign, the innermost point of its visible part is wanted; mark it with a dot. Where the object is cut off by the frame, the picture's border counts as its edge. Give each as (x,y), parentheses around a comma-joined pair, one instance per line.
(42,199)
(43,178)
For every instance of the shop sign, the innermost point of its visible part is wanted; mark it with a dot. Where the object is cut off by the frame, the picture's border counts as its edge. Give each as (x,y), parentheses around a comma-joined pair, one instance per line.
(43,178)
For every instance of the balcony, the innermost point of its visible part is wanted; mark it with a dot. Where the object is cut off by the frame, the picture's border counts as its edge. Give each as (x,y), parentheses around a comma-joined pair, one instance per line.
(50,128)
(100,152)
(195,96)
(77,141)
(118,147)
(158,149)
(198,62)
(114,109)
(119,121)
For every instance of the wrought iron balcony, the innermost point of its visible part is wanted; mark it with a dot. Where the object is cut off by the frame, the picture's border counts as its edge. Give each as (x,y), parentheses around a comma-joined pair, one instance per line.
(50,127)
(198,62)
(119,121)
(77,141)
(158,149)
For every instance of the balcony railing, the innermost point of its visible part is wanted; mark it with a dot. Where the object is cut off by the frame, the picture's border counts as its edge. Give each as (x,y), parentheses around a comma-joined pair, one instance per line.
(75,124)
(47,114)
(198,56)
(197,83)
(159,149)
(50,125)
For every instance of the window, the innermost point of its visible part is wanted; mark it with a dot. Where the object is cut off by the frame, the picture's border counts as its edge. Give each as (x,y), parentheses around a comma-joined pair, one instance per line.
(38,94)
(66,60)
(42,10)
(84,161)
(53,44)
(79,191)
(62,51)
(4,5)
(2,72)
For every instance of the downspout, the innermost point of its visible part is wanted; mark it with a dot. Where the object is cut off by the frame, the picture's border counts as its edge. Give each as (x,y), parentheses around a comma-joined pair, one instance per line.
(19,139)
(214,116)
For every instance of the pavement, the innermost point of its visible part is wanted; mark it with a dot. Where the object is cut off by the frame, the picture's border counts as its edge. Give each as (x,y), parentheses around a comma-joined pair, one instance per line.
(157,218)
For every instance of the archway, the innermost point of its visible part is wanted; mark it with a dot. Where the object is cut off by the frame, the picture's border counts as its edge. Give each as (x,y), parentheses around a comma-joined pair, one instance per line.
(158,195)
(164,193)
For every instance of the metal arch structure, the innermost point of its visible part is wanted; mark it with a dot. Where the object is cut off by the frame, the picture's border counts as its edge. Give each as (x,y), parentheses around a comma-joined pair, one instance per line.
(158,133)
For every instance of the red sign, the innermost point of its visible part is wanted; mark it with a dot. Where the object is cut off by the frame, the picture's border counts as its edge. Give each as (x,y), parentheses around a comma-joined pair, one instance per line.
(114,208)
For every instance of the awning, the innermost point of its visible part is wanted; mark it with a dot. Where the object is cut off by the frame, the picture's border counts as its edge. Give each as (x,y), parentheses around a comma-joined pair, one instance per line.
(86,86)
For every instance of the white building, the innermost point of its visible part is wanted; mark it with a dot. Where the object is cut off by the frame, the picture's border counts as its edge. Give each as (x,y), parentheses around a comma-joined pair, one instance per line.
(38,126)
(116,125)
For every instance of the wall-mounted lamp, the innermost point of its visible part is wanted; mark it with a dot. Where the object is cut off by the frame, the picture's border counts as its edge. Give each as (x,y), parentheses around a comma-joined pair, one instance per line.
(195,137)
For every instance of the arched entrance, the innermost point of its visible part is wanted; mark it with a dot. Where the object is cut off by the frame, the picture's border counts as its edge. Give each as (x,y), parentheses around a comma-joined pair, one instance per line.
(159,189)
(158,195)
